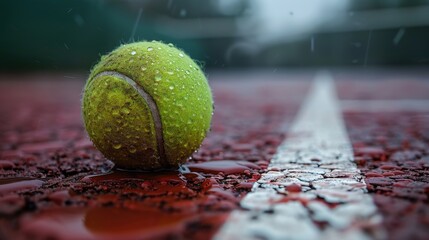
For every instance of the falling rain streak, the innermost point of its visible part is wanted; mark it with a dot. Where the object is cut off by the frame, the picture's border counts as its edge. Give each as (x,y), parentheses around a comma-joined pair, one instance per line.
(367,48)
(136,24)
(398,36)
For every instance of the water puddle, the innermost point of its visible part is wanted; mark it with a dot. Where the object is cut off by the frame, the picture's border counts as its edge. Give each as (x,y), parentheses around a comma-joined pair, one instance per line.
(18,183)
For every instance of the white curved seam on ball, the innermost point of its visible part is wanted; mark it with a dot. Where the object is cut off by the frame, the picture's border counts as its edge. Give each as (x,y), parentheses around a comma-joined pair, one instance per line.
(152,107)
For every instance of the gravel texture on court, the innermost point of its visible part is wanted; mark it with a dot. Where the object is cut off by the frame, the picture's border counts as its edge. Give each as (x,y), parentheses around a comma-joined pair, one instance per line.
(54,184)
(392,149)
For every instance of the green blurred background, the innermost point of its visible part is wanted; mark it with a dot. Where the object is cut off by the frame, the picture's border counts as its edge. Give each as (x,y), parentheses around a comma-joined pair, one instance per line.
(52,35)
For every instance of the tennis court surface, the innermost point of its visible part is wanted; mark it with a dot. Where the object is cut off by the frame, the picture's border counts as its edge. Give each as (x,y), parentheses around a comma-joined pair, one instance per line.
(291,155)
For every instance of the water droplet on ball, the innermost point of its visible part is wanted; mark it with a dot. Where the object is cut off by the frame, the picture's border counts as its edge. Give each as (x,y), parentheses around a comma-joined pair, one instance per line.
(150,49)
(133,53)
(117,145)
(132,149)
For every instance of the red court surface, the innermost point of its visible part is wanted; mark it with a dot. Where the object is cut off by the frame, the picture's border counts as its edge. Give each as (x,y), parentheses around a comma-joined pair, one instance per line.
(55,185)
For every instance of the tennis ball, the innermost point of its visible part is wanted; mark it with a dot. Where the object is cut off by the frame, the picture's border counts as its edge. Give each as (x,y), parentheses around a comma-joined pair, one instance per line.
(147,105)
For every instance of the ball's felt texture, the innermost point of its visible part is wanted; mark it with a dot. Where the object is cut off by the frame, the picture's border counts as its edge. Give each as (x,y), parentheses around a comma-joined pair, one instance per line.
(147,105)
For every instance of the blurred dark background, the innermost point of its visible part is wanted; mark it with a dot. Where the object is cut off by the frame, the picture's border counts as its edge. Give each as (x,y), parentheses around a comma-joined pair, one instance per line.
(71,35)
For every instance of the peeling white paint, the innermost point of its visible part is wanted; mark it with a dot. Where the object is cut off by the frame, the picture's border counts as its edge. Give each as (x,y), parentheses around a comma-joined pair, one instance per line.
(318,156)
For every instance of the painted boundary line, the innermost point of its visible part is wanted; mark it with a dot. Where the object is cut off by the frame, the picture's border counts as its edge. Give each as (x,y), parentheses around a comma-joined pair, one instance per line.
(312,188)
(405,105)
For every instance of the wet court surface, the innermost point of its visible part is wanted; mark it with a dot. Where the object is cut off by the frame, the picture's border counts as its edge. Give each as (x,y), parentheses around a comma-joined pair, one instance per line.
(55,184)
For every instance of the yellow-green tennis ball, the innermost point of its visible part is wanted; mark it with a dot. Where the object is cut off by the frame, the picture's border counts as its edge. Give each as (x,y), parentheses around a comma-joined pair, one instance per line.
(147,105)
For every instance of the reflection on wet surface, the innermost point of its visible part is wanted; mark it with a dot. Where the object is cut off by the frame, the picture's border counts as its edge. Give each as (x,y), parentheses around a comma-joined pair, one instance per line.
(18,183)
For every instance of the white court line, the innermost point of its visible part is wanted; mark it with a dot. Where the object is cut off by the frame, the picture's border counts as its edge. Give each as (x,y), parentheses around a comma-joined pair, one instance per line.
(318,156)
(405,105)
